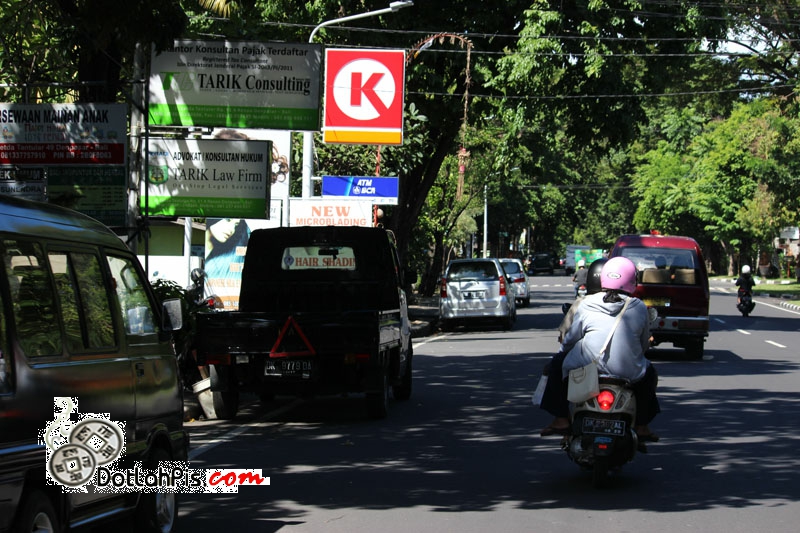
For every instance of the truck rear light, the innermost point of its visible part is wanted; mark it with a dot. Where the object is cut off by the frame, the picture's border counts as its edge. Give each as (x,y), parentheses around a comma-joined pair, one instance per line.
(218,359)
(353,358)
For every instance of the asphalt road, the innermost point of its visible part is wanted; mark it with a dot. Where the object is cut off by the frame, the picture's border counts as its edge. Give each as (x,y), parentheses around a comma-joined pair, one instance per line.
(463,454)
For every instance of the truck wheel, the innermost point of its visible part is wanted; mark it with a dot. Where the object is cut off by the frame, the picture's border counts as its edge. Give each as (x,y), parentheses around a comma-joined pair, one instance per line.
(378,402)
(694,349)
(226,403)
(37,514)
(402,391)
(156,511)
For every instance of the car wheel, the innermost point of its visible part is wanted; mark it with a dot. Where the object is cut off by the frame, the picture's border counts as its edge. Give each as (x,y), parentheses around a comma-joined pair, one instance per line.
(527,301)
(37,514)
(157,511)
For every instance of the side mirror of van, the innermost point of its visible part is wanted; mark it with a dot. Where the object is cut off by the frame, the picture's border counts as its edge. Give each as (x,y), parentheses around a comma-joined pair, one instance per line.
(171,315)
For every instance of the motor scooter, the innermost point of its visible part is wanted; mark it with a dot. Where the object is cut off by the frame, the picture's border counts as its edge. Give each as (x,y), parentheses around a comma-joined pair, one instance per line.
(601,436)
(197,301)
(746,303)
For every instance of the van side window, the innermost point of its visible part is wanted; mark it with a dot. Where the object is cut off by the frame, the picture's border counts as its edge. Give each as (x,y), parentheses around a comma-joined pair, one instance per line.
(137,313)
(85,307)
(32,297)
(6,365)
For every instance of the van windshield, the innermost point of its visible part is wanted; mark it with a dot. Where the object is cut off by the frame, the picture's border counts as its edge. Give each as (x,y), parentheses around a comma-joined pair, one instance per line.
(674,266)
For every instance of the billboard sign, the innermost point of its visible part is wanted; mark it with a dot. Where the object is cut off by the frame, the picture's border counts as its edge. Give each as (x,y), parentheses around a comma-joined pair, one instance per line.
(207,178)
(364,92)
(327,212)
(63,134)
(378,190)
(238,84)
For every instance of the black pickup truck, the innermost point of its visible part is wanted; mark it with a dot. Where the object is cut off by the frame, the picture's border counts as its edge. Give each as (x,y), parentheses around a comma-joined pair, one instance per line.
(322,310)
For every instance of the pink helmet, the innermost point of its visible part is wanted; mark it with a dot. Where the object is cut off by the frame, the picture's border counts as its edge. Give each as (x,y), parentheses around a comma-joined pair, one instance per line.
(619,273)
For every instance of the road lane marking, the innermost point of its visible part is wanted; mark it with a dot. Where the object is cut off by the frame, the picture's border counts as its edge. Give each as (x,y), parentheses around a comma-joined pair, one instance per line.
(775,344)
(743,332)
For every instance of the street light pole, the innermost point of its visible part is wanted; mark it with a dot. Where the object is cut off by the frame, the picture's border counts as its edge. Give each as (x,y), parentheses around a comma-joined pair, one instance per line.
(485,220)
(308,136)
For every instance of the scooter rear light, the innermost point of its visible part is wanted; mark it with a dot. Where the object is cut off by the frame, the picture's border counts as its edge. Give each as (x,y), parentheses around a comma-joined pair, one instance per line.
(605,400)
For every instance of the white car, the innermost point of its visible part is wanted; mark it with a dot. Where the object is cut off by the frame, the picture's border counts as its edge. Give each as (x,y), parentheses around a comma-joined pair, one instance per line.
(475,290)
(519,278)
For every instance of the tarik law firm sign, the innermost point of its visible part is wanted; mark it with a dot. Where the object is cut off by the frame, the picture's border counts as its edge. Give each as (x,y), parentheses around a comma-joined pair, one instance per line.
(208,178)
(236,85)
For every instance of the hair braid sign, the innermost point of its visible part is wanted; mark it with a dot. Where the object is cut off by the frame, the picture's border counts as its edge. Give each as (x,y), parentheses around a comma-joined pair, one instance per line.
(364,92)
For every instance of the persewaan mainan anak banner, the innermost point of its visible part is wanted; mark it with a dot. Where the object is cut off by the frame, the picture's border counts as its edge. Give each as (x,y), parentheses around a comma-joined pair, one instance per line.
(208,178)
(77,153)
(236,85)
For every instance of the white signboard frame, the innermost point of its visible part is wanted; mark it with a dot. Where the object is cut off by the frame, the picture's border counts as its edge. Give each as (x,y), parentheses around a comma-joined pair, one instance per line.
(207,178)
(326,212)
(237,84)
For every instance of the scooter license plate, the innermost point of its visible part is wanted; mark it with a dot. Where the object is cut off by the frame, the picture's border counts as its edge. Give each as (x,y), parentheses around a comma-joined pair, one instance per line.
(604,426)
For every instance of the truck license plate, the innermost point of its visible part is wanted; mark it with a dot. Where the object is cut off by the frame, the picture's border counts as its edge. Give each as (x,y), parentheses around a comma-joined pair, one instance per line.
(604,426)
(290,367)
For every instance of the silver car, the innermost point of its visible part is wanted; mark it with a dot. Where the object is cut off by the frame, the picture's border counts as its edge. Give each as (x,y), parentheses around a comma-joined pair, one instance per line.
(475,290)
(519,280)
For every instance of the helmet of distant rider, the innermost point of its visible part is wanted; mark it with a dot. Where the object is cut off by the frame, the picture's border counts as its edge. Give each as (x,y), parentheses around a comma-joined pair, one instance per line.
(593,276)
(619,274)
(746,269)
(581,263)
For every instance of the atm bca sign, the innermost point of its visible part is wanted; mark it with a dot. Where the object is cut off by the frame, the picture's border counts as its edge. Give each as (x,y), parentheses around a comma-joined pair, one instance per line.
(364,92)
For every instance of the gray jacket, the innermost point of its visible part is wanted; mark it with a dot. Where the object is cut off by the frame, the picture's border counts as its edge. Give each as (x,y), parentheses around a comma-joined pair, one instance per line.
(589,330)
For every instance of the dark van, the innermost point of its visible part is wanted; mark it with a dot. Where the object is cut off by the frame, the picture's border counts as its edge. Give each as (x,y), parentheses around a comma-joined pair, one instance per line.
(79,320)
(672,279)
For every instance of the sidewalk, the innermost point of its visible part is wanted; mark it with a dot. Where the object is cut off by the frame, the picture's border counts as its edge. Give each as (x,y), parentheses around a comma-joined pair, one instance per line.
(423,313)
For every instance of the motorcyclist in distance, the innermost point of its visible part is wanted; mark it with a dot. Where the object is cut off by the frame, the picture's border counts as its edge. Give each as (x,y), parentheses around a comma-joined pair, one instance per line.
(745,283)
(580,276)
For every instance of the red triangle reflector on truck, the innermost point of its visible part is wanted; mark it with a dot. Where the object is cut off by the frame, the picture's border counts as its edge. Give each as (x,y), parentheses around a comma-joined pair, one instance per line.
(292,342)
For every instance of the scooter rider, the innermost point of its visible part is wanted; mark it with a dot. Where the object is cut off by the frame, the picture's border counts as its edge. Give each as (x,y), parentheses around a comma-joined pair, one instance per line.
(745,283)
(555,393)
(625,356)
(580,276)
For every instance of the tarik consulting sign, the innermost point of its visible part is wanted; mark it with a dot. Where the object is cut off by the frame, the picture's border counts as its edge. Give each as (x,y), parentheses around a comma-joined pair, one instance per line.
(236,85)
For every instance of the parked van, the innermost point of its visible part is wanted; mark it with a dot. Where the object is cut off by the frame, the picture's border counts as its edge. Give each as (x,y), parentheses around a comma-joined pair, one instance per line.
(672,279)
(79,320)
(476,290)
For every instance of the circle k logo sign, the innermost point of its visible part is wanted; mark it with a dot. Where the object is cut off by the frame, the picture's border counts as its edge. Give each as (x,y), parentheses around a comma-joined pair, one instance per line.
(364,96)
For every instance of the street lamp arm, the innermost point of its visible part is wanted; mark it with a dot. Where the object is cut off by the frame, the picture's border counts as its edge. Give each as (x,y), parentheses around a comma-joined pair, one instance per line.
(394,6)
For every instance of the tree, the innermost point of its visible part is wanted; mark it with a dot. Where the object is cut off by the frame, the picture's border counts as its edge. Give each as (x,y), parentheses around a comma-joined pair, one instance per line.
(80,49)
